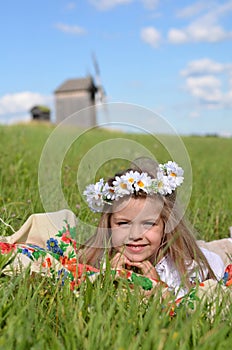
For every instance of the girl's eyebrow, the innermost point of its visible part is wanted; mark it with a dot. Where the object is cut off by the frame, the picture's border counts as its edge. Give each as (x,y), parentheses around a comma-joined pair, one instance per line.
(120,218)
(123,218)
(152,218)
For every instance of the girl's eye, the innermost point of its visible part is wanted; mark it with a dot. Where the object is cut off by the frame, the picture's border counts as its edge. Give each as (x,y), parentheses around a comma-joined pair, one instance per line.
(149,223)
(122,223)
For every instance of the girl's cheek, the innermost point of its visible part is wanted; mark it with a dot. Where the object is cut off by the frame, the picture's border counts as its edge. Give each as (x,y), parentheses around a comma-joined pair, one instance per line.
(116,243)
(117,239)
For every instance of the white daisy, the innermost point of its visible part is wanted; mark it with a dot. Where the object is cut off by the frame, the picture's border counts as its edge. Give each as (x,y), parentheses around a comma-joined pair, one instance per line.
(143,182)
(131,177)
(163,183)
(93,195)
(173,169)
(108,192)
(174,173)
(122,186)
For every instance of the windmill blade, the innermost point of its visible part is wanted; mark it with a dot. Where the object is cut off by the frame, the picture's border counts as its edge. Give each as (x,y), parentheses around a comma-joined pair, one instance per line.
(95,64)
(100,95)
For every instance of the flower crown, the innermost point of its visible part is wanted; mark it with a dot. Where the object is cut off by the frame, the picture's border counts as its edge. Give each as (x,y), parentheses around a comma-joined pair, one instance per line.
(169,176)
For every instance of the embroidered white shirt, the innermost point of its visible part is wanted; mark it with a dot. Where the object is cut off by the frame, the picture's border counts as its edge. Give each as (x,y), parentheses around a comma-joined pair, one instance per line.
(169,274)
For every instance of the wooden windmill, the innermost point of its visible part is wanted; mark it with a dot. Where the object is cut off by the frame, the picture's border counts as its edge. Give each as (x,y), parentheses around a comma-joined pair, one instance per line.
(75,95)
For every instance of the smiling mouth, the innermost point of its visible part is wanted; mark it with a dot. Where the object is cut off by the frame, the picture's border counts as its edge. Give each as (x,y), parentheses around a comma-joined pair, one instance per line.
(136,247)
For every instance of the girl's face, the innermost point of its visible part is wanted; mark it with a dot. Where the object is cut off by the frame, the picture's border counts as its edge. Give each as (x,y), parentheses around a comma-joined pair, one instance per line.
(137,228)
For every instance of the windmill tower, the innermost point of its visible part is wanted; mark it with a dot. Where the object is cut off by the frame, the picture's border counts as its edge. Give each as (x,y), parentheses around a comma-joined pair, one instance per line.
(77,94)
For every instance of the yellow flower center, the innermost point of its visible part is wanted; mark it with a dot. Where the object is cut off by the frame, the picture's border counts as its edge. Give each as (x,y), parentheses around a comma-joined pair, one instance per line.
(173,174)
(123,186)
(131,180)
(140,183)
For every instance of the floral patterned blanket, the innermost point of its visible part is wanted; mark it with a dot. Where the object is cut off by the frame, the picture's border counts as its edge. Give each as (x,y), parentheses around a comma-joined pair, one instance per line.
(56,258)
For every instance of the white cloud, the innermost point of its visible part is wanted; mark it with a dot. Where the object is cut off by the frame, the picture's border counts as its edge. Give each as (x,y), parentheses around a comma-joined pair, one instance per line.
(151,36)
(230,79)
(105,5)
(227,99)
(194,9)
(75,30)
(203,66)
(205,28)
(21,102)
(150,4)
(209,82)
(205,88)
(197,32)
(200,32)
(177,36)
(211,8)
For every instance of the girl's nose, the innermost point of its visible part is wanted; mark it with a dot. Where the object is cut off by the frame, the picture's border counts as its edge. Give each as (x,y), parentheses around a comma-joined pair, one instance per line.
(136,232)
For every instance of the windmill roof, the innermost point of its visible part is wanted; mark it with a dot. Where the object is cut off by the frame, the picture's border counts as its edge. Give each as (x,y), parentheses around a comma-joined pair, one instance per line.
(76,84)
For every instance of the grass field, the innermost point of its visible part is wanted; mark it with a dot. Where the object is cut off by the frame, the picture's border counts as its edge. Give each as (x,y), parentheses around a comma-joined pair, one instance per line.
(35,314)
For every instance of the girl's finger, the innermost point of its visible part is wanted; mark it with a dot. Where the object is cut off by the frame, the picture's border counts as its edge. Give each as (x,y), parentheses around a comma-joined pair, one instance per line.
(119,261)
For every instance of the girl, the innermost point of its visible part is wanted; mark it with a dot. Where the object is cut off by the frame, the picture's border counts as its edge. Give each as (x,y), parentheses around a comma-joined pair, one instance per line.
(142,228)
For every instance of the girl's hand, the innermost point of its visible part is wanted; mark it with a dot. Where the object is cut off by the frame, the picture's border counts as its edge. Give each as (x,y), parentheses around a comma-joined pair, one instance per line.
(145,267)
(119,261)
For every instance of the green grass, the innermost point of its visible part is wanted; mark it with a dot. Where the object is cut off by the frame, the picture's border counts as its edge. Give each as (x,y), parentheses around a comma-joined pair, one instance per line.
(35,313)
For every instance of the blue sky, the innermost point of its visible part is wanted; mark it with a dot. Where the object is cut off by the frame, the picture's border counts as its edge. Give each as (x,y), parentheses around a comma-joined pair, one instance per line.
(173,57)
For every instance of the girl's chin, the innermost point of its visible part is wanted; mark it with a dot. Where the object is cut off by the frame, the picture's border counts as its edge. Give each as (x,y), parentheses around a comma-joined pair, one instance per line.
(134,258)
(138,258)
